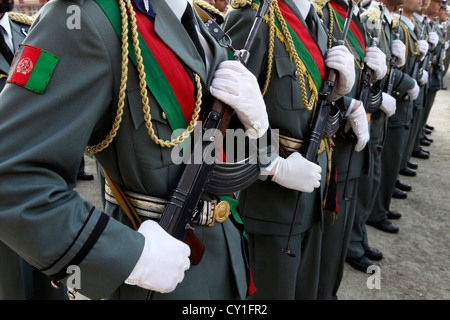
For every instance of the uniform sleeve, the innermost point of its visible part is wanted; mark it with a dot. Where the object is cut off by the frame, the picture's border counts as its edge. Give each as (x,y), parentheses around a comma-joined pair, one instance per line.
(43,140)
(402,82)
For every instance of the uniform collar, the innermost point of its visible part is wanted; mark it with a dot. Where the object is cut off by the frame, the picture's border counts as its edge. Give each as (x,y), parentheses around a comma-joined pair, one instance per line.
(418,17)
(303,6)
(408,23)
(4,22)
(178,7)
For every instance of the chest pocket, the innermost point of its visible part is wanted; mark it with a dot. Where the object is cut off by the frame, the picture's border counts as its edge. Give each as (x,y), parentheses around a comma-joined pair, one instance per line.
(149,154)
(286,86)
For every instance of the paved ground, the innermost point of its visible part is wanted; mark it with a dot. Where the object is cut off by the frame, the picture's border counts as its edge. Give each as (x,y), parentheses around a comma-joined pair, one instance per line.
(417,259)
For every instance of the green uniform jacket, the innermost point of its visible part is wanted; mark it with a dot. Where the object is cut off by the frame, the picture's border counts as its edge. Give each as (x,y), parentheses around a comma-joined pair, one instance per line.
(44,137)
(436,76)
(266,206)
(404,111)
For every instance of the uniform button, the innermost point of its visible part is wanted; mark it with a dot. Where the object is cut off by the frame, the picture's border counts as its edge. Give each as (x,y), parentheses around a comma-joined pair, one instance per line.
(296,73)
(164,116)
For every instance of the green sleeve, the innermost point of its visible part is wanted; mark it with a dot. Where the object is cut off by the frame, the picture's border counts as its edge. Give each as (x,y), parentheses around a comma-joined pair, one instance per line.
(44,136)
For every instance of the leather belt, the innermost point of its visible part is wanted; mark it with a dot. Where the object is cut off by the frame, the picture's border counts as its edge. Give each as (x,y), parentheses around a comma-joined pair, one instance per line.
(296,145)
(208,213)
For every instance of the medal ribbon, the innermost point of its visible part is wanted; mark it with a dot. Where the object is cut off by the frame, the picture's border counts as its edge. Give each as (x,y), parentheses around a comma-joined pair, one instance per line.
(354,35)
(165,75)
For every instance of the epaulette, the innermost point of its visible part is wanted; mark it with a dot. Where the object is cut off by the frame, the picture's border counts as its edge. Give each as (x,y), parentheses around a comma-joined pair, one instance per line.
(20,18)
(212,11)
(372,13)
(240,3)
(318,6)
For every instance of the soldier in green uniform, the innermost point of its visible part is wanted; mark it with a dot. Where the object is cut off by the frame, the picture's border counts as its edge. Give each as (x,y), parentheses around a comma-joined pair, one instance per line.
(338,225)
(18,279)
(64,93)
(415,149)
(289,58)
(359,253)
(399,123)
(437,68)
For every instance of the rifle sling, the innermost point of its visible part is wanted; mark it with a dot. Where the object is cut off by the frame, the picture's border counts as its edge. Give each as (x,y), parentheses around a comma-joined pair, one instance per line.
(123,201)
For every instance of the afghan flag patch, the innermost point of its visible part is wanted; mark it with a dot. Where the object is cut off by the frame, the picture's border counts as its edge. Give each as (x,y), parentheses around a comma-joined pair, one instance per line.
(32,68)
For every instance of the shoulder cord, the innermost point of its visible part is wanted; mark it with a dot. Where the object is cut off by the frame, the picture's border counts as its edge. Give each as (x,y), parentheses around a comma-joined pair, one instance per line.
(20,17)
(286,38)
(123,85)
(332,13)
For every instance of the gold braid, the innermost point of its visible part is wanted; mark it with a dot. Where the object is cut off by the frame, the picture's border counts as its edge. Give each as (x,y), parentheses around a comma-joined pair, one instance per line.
(309,105)
(20,17)
(271,48)
(124,4)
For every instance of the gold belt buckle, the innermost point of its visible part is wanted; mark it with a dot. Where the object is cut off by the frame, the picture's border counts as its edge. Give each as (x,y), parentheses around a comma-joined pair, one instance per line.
(221,212)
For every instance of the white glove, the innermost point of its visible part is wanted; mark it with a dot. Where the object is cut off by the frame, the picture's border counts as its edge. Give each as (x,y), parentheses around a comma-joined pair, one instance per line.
(341,60)
(295,172)
(413,92)
(446,45)
(423,46)
(236,86)
(433,39)
(376,60)
(424,79)
(357,120)
(389,104)
(163,261)
(399,50)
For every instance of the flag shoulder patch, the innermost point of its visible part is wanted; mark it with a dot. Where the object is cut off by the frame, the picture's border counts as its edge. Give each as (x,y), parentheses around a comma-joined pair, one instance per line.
(32,68)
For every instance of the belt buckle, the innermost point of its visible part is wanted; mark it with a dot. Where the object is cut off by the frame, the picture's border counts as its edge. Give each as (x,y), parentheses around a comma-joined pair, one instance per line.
(221,212)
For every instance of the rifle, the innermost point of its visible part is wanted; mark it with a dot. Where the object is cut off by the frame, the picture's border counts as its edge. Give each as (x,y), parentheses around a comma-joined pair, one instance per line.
(367,74)
(417,64)
(443,51)
(429,56)
(370,100)
(390,84)
(326,97)
(182,205)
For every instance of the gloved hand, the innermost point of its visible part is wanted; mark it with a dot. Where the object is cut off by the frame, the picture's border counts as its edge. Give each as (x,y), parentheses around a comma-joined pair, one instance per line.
(423,46)
(433,39)
(163,261)
(398,49)
(446,45)
(389,104)
(341,60)
(413,92)
(357,120)
(295,172)
(234,85)
(424,79)
(376,60)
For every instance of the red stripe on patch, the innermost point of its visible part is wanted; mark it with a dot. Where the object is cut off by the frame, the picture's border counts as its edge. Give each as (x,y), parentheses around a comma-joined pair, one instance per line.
(25,65)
